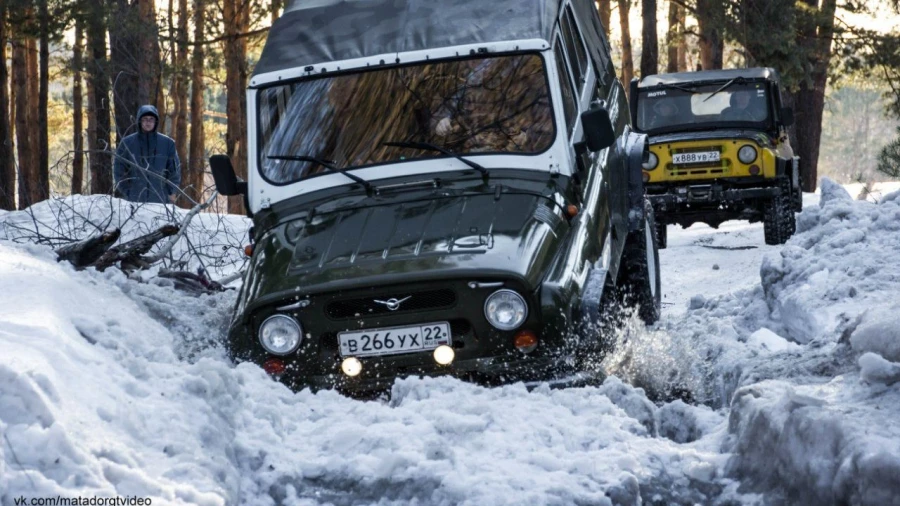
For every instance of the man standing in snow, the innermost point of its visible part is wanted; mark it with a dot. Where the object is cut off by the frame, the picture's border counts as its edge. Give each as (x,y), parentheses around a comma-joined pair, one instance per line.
(147,167)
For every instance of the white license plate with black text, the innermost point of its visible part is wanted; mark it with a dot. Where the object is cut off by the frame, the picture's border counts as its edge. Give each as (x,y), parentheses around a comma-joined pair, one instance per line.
(390,341)
(704,156)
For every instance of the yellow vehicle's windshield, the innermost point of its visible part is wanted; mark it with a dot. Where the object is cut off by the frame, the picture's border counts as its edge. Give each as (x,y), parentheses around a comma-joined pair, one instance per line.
(485,105)
(670,109)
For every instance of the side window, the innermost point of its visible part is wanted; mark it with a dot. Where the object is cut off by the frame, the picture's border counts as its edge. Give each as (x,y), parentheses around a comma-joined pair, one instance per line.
(568,93)
(578,59)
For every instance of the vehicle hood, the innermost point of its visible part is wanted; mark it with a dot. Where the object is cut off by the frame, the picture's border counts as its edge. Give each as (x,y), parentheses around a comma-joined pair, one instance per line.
(510,236)
(762,138)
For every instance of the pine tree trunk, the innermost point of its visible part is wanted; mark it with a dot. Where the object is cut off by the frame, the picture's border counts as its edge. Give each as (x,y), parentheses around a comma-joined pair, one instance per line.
(33,114)
(677,50)
(7,163)
(175,82)
(78,111)
(627,59)
(98,106)
(197,163)
(710,21)
(236,20)
(23,129)
(815,33)
(605,10)
(148,61)
(181,97)
(42,188)
(650,41)
(125,65)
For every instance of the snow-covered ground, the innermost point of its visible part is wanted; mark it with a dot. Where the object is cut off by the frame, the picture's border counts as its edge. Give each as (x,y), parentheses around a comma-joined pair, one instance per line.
(111,386)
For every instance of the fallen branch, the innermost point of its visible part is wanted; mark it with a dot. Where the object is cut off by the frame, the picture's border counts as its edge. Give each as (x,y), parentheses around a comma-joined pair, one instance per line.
(86,252)
(196,283)
(129,253)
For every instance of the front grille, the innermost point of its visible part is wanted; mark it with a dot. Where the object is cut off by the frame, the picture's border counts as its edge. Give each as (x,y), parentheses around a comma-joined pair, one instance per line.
(366,306)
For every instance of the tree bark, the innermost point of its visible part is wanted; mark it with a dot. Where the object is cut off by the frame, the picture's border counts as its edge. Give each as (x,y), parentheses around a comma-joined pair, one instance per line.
(605,10)
(627,59)
(236,21)
(677,50)
(180,99)
(78,110)
(98,105)
(125,64)
(815,36)
(174,82)
(7,162)
(710,21)
(196,164)
(148,62)
(23,128)
(42,188)
(650,41)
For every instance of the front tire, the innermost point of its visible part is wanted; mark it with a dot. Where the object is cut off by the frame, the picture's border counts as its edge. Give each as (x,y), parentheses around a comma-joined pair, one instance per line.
(779,220)
(639,274)
(662,235)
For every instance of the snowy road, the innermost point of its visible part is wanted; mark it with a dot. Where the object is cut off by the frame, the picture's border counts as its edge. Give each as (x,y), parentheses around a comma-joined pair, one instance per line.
(110,387)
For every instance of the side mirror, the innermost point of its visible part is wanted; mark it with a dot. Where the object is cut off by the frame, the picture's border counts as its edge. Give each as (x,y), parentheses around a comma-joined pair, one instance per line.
(598,128)
(227,182)
(787,116)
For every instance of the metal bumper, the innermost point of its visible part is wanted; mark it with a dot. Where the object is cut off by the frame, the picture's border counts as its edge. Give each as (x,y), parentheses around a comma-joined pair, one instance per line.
(709,193)
(488,371)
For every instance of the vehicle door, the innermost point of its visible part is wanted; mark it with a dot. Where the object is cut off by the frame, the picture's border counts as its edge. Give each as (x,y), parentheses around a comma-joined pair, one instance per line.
(582,89)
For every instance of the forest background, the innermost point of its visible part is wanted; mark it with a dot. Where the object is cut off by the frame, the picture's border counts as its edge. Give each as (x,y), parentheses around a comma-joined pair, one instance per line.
(75,72)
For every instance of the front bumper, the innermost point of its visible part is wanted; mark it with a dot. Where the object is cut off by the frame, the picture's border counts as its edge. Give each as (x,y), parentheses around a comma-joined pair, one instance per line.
(665,198)
(379,375)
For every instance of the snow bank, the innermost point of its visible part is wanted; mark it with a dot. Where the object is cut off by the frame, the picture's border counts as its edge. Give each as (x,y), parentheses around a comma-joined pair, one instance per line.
(823,428)
(109,386)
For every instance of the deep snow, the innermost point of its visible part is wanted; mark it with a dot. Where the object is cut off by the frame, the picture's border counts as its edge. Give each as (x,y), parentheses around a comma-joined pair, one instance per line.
(117,386)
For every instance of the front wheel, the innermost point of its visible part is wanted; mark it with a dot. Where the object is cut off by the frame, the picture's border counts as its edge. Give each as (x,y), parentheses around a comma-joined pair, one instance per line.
(779,220)
(639,274)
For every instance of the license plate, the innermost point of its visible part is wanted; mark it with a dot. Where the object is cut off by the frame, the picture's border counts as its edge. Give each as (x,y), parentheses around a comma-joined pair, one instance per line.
(705,156)
(390,341)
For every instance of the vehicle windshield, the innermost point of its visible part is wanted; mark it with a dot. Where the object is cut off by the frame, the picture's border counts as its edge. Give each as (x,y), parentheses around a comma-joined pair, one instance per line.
(673,108)
(486,105)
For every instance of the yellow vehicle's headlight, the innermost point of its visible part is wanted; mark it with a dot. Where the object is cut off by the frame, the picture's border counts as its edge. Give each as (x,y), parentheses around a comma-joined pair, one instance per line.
(652,162)
(747,154)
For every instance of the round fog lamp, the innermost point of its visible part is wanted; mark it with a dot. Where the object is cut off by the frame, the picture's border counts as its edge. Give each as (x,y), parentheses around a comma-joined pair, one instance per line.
(444,354)
(747,154)
(652,162)
(280,334)
(505,309)
(351,366)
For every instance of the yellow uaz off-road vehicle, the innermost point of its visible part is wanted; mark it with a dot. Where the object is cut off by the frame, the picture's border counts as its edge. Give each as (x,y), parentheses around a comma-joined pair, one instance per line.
(719,149)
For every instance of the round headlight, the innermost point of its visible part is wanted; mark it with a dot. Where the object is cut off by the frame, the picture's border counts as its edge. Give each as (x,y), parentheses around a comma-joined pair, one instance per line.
(505,309)
(280,334)
(747,154)
(652,162)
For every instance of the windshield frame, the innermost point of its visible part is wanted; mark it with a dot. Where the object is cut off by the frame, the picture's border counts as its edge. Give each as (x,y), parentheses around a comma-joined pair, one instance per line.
(256,148)
(768,124)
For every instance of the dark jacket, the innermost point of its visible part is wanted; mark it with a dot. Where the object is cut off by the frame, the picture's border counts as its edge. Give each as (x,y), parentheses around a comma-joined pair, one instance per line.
(146,168)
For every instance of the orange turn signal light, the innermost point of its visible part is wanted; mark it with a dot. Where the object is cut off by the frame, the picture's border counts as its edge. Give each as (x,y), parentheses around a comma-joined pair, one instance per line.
(274,366)
(571,210)
(526,341)
(754,170)
(248,250)
(646,177)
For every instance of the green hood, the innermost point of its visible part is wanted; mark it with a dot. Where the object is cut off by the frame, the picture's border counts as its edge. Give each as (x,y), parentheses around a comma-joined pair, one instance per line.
(508,236)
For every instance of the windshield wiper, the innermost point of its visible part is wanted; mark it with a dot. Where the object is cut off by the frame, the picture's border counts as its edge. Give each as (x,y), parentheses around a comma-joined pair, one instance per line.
(729,83)
(678,87)
(426,146)
(328,164)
